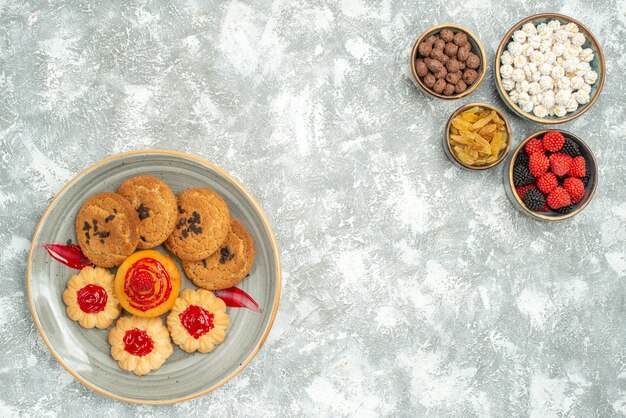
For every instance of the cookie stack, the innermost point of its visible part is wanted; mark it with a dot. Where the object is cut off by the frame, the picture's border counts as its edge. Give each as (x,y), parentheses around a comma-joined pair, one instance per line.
(216,251)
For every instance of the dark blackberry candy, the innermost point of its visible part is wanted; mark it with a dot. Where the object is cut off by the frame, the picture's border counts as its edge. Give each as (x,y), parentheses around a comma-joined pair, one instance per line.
(570,148)
(534,199)
(521,176)
(564,210)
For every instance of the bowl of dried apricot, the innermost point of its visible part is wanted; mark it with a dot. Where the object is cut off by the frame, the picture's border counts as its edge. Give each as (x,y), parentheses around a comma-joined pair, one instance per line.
(477,136)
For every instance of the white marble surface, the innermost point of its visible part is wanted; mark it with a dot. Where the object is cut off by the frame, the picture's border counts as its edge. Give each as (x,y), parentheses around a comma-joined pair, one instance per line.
(411,288)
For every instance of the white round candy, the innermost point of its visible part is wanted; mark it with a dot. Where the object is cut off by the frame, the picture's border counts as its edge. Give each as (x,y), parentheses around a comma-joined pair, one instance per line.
(560,110)
(506,58)
(577,82)
(535,76)
(561,35)
(545,68)
(590,77)
(554,24)
(529,28)
(563,83)
(534,41)
(534,88)
(514,95)
(586,55)
(515,48)
(549,57)
(570,66)
(586,88)
(528,50)
(506,71)
(579,39)
(581,97)
(544,33)
(582,68)
(546,82)
(524,99)
(536,99)
(557,72)
(540,111)
(558,49)
(571,28)
(520,36)
(519,61)
(572,105)
(517,75)
(537,57)
(522,86)
(548,99)
(546,45)
(508,84)
(528,107)
(562,97)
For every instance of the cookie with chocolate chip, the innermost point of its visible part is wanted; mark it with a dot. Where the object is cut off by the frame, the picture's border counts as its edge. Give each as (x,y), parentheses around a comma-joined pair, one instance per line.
(202,225)
(226,267)
(155,208)
(106,229)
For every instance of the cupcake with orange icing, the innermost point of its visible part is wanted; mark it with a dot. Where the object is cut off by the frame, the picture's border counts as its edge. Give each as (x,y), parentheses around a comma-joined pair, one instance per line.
(198,321)
(140,345)
(90,298)
(147,283)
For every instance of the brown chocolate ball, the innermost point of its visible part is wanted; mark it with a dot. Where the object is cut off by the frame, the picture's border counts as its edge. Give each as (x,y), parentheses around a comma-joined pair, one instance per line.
(420,68)
(429,80)
(461,65)
(463,52)
(460,39)
(437,54)
(453,78)
(439,86)
(473,61)
(439,44)
(453,65)
(433,65)
(424,49)
(450,49)
(448,90)
(444,59)
(447,35)
(431,39)
(469,76)
(441,73)
(460,87)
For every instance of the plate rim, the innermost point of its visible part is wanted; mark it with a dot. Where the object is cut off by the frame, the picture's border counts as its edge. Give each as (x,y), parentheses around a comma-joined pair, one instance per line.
(266,224)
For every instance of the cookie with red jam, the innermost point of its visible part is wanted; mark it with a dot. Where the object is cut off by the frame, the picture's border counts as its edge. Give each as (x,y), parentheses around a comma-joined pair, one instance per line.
(140,345)
(198,321)
(155,207)
(147,283)
(228,266)
(90,298)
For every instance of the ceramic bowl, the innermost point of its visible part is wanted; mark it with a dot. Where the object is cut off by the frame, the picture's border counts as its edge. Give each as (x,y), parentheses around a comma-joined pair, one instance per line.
(477,48)
(590,189)
(448,148)
(598,65)
(85,353)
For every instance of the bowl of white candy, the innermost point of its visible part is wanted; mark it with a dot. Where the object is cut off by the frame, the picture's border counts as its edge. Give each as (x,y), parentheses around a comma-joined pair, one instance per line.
(549,68)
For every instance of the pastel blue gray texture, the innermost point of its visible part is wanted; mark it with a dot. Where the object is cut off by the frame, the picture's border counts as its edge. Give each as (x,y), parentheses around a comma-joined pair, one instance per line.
(411,287)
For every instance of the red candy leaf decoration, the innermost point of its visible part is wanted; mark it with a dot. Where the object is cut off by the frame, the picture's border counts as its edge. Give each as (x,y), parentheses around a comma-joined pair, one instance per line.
(69,255)
(234,297)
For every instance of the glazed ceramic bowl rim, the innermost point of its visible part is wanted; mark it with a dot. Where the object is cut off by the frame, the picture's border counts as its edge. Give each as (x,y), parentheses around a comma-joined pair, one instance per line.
(266,225)
(481,50)
(502,155)
(588,154)
(570,116)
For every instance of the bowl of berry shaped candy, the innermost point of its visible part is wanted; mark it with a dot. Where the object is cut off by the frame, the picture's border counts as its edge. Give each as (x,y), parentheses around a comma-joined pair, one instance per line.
(552,175)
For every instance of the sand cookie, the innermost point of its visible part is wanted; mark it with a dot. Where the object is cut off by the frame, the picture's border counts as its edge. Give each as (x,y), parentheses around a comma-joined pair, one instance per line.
(202,227)
(198,321)
(90,298)
(106,229)
(226,267)
(155,206)
(140,345)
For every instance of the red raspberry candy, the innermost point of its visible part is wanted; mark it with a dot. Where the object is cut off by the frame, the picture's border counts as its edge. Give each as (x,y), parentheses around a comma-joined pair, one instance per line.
(553,141)
(559,164)
(521,191)
(538,164)
(558,198)
(575,188)
(578,167)
(547,183)
(533,146)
